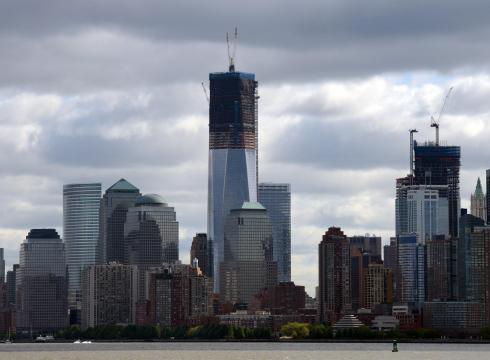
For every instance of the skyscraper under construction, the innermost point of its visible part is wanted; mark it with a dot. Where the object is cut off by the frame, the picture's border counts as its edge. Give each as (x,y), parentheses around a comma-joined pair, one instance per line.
(232,151)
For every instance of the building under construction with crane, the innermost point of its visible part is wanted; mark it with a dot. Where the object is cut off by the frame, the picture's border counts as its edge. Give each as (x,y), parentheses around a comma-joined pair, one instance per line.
(232,149)
(428,199)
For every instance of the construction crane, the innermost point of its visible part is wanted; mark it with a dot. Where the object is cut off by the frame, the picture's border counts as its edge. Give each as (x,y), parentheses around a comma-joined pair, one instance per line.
(231,49)
(205,91)
(435,122)
(412,131)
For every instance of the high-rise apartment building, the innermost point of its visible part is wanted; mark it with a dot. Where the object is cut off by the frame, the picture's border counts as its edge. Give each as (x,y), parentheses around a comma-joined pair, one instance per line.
(109,295)
(248,265)
(113,208)
(276,198)
(81,203)
(479,202)
(378,285)
(334,276)
(41,303)
(282,299)
(178,295)
(202,251)
(11,287)
(151,235)
(233,140)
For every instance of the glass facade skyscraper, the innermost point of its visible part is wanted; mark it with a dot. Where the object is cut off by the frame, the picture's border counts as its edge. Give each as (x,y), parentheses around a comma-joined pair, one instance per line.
(232,152)
(151,235)
(276,198)
(248,265)
(439,165)
(81,204)
(113,208)
(41,303)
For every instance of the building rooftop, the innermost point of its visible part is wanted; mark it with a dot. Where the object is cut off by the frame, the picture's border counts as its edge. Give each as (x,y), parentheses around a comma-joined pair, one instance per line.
(231,75)
(150,199)
(252,206)
(348,322)
(43,234)
(123,186)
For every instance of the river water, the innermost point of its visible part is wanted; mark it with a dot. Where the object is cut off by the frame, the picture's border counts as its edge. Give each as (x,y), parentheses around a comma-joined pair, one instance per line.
(242,351)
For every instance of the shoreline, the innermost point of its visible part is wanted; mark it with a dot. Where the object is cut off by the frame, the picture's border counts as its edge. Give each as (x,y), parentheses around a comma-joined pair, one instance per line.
(288,341)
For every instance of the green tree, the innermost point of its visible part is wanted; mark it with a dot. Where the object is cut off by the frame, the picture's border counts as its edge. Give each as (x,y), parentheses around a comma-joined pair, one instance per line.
(295,330)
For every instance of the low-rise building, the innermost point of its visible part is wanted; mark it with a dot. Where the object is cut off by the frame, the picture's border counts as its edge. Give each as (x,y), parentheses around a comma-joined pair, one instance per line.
(454,317)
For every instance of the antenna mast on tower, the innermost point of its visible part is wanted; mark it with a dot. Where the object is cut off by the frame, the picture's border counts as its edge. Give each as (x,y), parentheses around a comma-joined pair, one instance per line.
(231,49)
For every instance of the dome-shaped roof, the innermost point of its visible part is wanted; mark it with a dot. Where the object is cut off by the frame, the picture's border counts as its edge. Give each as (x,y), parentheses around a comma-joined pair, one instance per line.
(150,199)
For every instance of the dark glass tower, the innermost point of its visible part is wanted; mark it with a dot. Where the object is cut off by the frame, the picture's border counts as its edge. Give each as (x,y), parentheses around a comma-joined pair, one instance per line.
(232,152)
(439,165)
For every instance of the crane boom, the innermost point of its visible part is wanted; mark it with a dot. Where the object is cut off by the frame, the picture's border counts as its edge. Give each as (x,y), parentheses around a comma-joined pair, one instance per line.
(435,122)
(205,91)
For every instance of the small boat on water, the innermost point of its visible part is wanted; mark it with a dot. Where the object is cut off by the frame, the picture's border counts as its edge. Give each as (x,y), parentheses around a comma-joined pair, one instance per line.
(87,342)
(77,341)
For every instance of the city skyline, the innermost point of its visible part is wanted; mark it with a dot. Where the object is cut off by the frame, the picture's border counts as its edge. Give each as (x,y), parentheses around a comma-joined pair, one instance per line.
(330,120)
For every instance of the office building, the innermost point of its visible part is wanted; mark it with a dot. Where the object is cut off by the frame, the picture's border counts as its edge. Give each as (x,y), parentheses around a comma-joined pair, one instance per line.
(113,209)
(109,295)
(454,318)
(334,276)
(439,165)
(276,198)
(438,252)
(2,266)
(41,303)
(467,225)
(11,276)
(426,211)
(248,265)
(479,202)
(233,137)
(478,268)
(412,270)
(151,235)
(487,196)
(202,251)
(81,203)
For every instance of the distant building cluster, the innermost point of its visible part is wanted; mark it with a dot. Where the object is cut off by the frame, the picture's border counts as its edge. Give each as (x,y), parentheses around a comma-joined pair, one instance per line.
(118,260)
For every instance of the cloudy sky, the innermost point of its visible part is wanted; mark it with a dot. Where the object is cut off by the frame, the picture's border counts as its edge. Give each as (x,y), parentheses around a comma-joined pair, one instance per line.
(100,90)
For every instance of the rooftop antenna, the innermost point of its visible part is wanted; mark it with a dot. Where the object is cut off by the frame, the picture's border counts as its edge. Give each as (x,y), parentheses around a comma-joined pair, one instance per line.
(435,122)
(231,49)
(412,131)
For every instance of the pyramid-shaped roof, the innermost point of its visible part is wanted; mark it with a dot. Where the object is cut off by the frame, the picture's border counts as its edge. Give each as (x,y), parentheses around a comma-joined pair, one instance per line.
(123,186)
(479,190)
